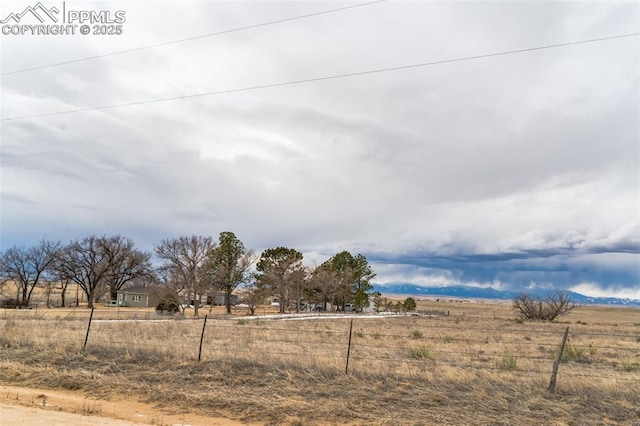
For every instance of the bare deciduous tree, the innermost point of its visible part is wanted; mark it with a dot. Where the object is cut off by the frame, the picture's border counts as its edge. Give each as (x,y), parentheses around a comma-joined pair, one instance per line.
(26,267)
(324,282)
(49,285)
(60,275)
(299,286)
(100,264)
(254,296)
(83,262)
(171,289)
(184,266)
(127,264)
(537,308)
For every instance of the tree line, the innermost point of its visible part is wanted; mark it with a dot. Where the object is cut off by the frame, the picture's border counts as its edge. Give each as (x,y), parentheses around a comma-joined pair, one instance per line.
(186,269)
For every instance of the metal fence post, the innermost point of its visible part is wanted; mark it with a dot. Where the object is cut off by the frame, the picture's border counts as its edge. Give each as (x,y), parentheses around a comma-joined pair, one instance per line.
(202,336)
(346,368)
(86,337)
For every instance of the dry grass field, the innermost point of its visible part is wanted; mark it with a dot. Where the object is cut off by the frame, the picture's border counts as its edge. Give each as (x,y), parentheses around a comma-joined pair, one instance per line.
(477,365)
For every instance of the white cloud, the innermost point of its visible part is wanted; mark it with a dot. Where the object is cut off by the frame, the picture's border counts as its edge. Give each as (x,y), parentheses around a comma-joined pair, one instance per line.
(512,154)
(594,290)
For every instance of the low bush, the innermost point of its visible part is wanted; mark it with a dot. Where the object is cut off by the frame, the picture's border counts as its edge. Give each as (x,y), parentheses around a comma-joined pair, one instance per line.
(9,303)
(420,352)
(509,362)
(537,308)
(168,304)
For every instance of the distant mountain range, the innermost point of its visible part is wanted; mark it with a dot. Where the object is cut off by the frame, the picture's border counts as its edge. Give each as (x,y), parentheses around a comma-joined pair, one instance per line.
(466,292)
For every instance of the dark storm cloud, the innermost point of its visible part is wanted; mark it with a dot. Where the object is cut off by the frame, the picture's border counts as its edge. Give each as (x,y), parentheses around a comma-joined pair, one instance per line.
(516,170)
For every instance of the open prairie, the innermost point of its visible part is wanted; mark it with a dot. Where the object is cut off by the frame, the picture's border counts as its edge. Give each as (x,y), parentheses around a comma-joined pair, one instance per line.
(455,363)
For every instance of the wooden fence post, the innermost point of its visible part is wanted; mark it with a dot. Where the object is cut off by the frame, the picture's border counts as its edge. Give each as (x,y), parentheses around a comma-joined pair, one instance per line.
(202,336)
(346,368)
(556,363)
(86,337)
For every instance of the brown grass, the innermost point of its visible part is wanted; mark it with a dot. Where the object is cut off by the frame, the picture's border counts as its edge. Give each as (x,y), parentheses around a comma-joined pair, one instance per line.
(476,366)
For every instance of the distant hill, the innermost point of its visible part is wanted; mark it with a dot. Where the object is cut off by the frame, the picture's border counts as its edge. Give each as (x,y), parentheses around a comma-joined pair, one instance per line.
(466,292)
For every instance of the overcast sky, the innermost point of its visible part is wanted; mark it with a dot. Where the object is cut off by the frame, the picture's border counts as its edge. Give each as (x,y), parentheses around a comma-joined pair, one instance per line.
(507,171)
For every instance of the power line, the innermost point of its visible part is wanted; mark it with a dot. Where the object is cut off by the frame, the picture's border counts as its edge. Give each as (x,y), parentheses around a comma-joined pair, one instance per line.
(315,79)
(166,43)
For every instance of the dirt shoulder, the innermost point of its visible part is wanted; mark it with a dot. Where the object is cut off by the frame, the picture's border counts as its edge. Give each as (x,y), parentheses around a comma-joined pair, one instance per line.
(44,407)
(18,415)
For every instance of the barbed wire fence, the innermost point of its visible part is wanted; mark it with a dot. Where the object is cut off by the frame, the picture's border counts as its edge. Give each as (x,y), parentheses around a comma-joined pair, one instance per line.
(401,346)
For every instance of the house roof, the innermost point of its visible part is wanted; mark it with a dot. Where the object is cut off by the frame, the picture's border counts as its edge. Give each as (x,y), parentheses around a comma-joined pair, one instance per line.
(139,289)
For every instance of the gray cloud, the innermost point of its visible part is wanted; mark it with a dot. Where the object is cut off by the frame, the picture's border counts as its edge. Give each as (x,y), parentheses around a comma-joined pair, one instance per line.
(500,171)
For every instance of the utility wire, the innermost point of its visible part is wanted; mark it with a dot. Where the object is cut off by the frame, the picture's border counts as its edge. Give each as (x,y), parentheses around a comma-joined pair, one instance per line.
(315,79)
(166,43)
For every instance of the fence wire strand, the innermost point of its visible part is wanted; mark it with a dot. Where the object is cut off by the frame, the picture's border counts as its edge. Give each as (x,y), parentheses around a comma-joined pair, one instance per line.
(425,344)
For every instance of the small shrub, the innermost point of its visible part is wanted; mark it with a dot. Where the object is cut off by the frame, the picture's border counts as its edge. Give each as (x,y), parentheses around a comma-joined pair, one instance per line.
(447,339)
(416,334)
(9,303)
(509,362)
(629,366)
(573,353)
(376,335)
(535,308)
(421,352)
(168,304)
(359,334)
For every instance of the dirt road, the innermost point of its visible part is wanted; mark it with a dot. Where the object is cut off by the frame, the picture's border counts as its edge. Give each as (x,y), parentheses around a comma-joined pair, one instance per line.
(18,415)
(44,407)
